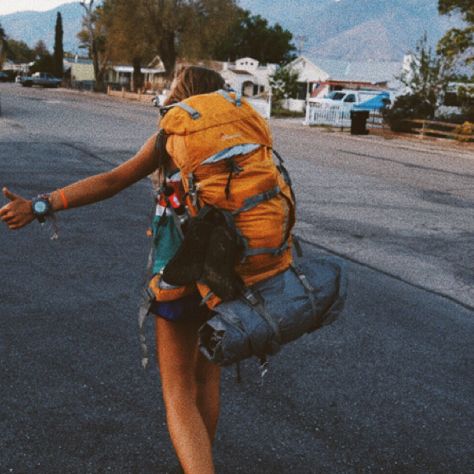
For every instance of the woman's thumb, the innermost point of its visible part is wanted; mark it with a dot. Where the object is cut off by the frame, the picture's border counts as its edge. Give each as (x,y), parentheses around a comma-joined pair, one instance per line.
(9,195)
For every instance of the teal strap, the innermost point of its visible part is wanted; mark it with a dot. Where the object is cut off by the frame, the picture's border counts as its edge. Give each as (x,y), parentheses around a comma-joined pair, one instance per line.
(253,201)
(238,97)
(237,101)
(226,96)
(192,112)
(259,250)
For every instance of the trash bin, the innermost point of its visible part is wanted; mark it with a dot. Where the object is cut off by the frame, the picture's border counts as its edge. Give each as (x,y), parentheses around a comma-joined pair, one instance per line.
(359,122)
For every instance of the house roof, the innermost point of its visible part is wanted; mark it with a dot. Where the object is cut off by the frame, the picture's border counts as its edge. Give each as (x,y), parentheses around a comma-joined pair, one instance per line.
(77,60)
(241,72)
(363,71)
(144,70)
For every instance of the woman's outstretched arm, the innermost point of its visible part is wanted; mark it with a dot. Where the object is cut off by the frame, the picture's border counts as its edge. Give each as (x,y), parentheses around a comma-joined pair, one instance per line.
(18,212)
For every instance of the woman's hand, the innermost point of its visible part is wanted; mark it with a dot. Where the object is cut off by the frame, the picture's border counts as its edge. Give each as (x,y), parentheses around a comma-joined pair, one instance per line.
(18,212)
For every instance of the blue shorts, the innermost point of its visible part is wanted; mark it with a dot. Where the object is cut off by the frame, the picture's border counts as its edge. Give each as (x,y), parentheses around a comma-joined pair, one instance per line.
(186,308)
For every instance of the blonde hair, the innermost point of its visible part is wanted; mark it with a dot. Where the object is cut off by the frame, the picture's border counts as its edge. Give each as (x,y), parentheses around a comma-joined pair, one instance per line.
(193,80)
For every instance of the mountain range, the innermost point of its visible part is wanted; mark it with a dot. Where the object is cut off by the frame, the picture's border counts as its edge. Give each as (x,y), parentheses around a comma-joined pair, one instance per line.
(344,29)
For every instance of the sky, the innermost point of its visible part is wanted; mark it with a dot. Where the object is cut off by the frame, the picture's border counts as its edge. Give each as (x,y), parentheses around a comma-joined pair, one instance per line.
(11,6)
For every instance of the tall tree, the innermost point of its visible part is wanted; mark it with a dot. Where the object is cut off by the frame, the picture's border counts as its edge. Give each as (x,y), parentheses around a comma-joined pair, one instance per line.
(458,43)
(58,54)
(186,28)
(3,45)
(93,38)
(126,40)
(251,35)
(137,31)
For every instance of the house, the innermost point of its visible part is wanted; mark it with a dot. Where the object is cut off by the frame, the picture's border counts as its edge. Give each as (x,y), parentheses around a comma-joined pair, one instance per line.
(248,76)
(319,76)
(81,72)
(18,69)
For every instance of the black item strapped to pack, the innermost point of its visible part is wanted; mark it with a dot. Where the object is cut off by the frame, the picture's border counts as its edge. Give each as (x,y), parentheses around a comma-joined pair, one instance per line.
(275,311)
(208,254)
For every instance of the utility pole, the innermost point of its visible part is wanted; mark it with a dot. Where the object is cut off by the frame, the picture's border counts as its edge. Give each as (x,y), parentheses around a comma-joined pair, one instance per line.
(300,41)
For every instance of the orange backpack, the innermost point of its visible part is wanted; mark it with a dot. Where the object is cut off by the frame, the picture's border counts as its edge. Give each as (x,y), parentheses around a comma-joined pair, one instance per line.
(223,149)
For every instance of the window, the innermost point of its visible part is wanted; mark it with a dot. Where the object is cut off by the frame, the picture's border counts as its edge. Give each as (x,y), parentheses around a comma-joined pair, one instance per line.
(336,95)
(350,98)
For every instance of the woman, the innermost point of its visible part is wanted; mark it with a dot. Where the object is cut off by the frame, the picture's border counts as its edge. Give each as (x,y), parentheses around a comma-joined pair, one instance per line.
(190,383)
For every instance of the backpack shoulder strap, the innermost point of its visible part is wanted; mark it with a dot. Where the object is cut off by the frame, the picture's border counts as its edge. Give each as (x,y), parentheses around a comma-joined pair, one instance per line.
(162,156)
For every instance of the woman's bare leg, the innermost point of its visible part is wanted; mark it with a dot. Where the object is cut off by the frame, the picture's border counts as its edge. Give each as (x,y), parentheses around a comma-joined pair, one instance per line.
(208,376)
(183,385)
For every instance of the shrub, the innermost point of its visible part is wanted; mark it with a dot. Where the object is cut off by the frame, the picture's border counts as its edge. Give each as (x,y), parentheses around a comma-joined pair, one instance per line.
(405,107)
(465,131)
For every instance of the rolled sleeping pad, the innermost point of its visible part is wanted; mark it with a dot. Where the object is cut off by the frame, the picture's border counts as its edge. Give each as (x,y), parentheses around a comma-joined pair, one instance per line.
(239,329)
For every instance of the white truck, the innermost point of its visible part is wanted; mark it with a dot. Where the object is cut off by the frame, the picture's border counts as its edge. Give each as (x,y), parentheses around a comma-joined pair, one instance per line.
(43,79)
(344,99)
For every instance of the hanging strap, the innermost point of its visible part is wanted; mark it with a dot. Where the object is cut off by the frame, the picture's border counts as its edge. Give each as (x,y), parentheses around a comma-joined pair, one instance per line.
(234,169)
(144,309)
(297,245)
(193,191)
(250,297)
(309,289)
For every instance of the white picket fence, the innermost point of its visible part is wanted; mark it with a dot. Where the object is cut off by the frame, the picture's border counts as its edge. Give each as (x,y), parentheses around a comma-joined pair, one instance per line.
(261,105)
(337,116)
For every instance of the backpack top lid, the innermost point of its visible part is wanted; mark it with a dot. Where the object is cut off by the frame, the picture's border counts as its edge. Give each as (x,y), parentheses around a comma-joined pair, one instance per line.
(206,124)
(199,112)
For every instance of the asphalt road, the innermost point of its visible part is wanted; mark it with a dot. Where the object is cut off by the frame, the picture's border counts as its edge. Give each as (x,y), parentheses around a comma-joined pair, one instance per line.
(387,388)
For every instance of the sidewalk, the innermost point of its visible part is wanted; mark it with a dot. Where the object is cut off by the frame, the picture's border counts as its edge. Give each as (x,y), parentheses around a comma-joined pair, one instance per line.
(392,139)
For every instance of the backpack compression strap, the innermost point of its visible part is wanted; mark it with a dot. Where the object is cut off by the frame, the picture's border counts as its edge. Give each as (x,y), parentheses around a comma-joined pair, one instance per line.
(237,101)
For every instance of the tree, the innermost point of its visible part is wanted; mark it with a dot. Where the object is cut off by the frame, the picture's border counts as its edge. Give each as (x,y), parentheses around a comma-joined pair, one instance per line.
(408,106)
(19,51)
(44,62)
(40,49)
(186,28)
(284,83)
(58,54)
(428,74)
(457,45)
(93,38)
(252,36)
(426,80)
(125,39)
(3,45)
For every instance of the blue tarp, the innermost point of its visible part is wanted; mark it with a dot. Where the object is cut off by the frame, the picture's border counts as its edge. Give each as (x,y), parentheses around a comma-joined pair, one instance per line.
(375,103)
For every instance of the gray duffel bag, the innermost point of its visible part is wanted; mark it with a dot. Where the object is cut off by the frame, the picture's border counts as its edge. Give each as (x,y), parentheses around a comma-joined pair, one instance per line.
(273,312)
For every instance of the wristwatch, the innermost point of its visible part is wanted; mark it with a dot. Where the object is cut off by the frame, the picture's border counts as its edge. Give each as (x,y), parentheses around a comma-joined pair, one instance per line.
(41,207)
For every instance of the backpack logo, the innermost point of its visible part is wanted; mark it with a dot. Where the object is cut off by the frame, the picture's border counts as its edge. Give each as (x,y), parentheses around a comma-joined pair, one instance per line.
(230,137)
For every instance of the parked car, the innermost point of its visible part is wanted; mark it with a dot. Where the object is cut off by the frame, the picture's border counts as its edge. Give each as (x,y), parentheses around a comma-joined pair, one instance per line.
(345,99)
(43,79)
(158,100)
(19,79)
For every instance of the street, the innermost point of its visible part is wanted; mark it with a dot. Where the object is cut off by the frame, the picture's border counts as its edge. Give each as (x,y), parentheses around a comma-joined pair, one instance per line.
(387,388)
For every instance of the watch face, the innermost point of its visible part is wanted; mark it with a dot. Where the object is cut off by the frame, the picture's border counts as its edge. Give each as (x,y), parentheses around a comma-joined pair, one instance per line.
(40,207)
